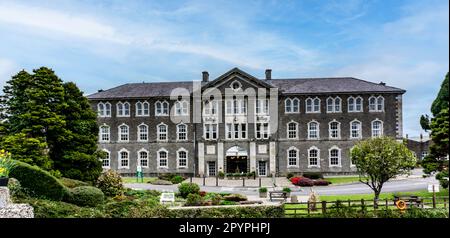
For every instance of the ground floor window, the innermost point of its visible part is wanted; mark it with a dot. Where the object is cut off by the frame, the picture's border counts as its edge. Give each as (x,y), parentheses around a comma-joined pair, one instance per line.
(162,159)
(106,161)
(124,159)
(212,168)
(143,158)
(182,159)
(262,168)
(313,157)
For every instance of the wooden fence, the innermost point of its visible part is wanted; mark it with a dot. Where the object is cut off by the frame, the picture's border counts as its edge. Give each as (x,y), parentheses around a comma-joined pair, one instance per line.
(302,209)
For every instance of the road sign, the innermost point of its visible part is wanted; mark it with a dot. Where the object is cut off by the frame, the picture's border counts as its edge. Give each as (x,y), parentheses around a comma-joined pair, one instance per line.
(430,188)
(139,168)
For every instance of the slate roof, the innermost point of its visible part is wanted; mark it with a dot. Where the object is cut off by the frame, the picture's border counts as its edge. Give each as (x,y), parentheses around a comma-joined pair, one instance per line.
(286,86)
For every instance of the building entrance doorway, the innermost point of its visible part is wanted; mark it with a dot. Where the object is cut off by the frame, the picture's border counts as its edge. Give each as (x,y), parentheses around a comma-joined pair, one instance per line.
(236,160)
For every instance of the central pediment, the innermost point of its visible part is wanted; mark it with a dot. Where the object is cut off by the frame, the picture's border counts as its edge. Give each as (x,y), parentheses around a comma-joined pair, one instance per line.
(234,78)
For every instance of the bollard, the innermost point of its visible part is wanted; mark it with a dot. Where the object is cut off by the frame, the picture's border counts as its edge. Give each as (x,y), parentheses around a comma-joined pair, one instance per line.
(217,181)
(259,182)
(243,182)
(204,180)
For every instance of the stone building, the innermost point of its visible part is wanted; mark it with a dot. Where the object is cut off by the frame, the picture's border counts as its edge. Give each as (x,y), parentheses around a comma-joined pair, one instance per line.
(239,123)
(419,145)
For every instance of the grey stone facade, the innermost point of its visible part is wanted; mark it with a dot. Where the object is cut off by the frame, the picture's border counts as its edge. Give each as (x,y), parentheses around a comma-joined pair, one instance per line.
(202,153)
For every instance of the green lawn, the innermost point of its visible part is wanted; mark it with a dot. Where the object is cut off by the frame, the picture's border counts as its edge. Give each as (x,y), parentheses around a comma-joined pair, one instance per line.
(423,193)
(133,179)
(341,180)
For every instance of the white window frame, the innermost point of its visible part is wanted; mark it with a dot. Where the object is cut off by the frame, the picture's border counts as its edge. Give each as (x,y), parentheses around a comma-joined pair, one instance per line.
(122,105)
(381,127)
(108,158)
(178,158)
(372,106)
(338,130)
(210,108)
(354,104)
(309,157)
(179,133)
(159,133)
(359,130)
(313,105)
(291,108)
(211,131)
(158,159)
(182,108)
(377,104)
(262,132)
(339,157)
(139,133)
(145,109)
(164,106)
(139,159)
(106,112)
(288,130)
(297,155)
(309,130)
(232,131)
(334,104)
(120,133)
(100,133)
(120,158)
(262,107)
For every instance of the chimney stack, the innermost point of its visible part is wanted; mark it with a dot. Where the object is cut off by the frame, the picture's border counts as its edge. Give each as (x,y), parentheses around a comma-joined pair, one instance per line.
(268,74)
(205,76)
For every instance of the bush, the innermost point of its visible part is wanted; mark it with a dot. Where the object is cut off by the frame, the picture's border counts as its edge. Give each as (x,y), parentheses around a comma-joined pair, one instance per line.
(302,181)
(16,190)
(321,182)
(221,174)
(72,183)
(289,175)
(229,212)
(444,183)
(235,197)
(110,183)
(56,209)
(86,196)
(37,182)
(177,179)
(313,175)
(193,200)
(215,199)
(187,188)
(263,190)
(287,190)
(160,182)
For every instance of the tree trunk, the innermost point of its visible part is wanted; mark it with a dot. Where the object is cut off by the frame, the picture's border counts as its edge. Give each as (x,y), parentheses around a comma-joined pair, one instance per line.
(375,199)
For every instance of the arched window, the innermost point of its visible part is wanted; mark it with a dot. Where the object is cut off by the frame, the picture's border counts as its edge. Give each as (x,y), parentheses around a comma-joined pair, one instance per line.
(292,157)
(372,104)
(334,130)
(330,105)
(104,133)
(351,104)
(143,158)
(313,157)
(358,104)
(182,158)
(333,104)
(334,156)
(292,129)
(124,159)
(163,159)
(142,109)
(312,105)
(143,132)
(337,104)
(181,132)
(355,104)
(377,128)
(380,104)
(123,109)
(101,109)
(161,108)
(292,105)
(123,133)
(313,130)
(181,108)
(288,105)
(106,162)
(355,129)
(162,132)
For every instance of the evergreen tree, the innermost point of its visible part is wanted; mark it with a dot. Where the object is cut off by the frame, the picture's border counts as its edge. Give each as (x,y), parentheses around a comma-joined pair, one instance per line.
(441,101)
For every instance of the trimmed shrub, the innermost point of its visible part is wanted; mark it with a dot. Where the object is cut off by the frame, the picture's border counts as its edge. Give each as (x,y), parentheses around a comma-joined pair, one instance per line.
(187,188)
(56,209)
(177,179)
(321,182)
(193,200)
(38,183)
(444,183)
(287,190)
(312,175)
(229,212)
(110,183)
(235,197)
(72,183)
(86,196)
(263,190)
(160,182)
(302,181)
(215,199)
(289,175)
(16,190)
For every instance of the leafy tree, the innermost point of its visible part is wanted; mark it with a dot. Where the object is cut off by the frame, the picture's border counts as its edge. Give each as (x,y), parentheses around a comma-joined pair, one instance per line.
(425,122)
(441,102)
(41,107)
(26,149)
(379,159)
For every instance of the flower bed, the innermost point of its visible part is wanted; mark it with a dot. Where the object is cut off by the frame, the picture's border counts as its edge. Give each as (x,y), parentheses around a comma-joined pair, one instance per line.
(306,182)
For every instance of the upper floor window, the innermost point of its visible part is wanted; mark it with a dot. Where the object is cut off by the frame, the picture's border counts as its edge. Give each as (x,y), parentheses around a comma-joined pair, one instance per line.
(355,104)
(124,133)
(163,158)
(124,159)
(161,108)
(313,157)
(162,132)
(236,130)
(143,158)
(313,130)
(143,132)
(377,128)
(181,132)
(236,107)
(424,154)
(181,108)
(262,106)
(292,105)
(211,108)
(104,109)
(262,130)
(210,131)
(106,162)
(104,133)
(292,157)
(334,104)
(376,104)
(313,105)
(355,129)
(334,156)
(123,109)
(142,109)
(182,158)
(292,130)
(334,129)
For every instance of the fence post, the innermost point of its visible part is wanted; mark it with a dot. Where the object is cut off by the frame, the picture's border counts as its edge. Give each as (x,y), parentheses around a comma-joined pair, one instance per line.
(434,198)
(445,202)
(260,182)
(308,207)
(324,207)
(362,204)
(217,181)
(349,204)
(387,203)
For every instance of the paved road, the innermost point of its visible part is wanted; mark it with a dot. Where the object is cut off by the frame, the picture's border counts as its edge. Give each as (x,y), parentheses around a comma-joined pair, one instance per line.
(404,185)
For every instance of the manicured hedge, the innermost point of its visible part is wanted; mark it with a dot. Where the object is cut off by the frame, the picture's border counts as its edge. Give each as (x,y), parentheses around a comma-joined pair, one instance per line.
(37,182)
(72,183)
(86,196)
(229,212)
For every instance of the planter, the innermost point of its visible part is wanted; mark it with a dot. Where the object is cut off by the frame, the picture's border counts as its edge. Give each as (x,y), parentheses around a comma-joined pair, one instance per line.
(4,181)
(262,194)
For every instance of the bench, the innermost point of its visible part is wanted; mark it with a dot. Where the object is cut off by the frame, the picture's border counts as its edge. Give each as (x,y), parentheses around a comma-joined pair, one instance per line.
(410,200)
(278,194)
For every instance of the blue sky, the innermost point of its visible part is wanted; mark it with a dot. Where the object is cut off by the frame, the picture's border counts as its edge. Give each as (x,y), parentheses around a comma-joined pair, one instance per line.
(102,44)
